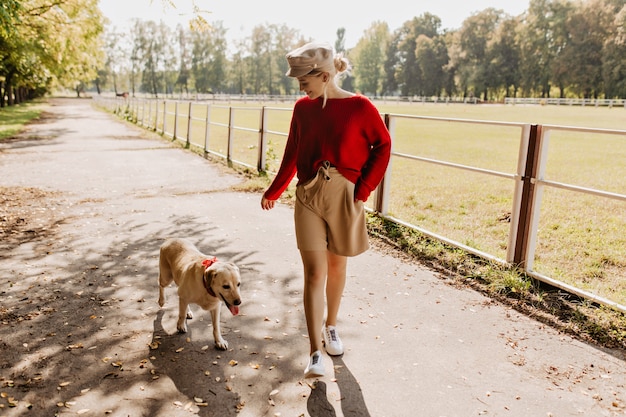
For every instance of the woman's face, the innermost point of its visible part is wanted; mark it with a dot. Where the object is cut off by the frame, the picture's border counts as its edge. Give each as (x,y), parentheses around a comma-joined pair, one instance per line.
(313,85)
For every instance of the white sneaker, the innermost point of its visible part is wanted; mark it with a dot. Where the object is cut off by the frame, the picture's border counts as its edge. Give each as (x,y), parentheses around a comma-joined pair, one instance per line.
(316,366)
(332,342)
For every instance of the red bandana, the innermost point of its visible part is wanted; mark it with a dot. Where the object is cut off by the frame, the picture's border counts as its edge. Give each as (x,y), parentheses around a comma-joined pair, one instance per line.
(208,262)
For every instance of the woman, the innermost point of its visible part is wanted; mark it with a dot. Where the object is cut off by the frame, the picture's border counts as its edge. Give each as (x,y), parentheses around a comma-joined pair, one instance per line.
(339,147)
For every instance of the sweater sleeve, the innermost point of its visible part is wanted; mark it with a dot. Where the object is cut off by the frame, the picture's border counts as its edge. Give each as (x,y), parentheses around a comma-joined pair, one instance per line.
(379,141)
(287,169)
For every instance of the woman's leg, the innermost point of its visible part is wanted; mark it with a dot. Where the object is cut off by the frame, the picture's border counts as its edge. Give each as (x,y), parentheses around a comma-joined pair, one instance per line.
(315,270)
(335,284)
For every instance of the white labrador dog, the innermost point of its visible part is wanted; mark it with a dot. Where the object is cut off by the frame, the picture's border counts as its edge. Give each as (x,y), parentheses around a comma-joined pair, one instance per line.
(201,280)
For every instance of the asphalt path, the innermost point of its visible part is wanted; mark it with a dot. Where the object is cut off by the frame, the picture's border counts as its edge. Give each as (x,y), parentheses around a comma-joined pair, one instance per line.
(96,343)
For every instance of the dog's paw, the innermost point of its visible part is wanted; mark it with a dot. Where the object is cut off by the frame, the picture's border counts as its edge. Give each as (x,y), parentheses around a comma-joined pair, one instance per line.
(189,314)
(161,302)
(181,327)
(221,344)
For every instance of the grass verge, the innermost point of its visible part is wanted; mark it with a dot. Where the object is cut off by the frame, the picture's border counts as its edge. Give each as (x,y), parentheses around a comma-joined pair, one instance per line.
(14,118)
(568,313)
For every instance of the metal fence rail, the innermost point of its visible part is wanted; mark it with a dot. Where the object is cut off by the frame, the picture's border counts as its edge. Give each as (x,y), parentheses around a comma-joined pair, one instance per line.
(528,180)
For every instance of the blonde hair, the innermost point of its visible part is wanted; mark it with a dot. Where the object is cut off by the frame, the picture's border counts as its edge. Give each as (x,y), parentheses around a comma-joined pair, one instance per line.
(341,68)
(341,63)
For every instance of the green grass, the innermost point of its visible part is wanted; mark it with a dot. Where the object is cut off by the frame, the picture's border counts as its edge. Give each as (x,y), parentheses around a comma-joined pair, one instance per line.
(13,118)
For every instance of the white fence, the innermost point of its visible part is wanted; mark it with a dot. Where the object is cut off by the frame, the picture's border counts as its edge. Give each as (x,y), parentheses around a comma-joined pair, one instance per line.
(591,102)
(525,175)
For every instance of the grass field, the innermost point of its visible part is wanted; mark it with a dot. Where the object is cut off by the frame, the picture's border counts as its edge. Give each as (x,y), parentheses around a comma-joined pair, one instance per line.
(581,239)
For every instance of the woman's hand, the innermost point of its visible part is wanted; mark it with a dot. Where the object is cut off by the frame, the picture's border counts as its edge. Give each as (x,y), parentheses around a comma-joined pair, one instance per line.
(267,204)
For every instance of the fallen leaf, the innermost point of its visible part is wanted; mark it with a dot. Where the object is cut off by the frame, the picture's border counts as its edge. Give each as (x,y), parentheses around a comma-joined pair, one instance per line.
(233,363)
(76,346)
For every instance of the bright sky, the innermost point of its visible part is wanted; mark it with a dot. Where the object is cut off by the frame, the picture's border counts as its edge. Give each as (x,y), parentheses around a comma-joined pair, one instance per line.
(315,19)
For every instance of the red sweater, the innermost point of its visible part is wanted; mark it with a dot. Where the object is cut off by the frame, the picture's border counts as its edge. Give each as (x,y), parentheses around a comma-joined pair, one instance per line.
(348,132)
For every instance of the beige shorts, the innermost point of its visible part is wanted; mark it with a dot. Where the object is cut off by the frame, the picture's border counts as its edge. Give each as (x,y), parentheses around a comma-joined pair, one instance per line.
(327,217)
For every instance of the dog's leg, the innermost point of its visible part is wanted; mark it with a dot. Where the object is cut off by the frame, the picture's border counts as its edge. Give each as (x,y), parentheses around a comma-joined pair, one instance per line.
(181,325)
(165,278)
(220,342)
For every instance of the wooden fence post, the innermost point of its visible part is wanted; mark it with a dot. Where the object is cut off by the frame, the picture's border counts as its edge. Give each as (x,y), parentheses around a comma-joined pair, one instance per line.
(175,121)
(262,141)
(189,125)
(527,200)
(164,116)
(381,200)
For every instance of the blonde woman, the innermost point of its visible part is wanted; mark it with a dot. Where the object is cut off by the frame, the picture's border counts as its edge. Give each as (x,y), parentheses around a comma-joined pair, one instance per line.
(339,148)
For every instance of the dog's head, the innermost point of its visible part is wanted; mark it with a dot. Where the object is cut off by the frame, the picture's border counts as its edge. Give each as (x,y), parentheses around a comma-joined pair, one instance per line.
(224,280)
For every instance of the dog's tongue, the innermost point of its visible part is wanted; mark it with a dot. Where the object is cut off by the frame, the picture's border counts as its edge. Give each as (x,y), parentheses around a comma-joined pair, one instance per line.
(234,310)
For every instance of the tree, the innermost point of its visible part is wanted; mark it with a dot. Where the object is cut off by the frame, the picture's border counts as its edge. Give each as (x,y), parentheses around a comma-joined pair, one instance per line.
(184,60)
(536,54)
(391,66)
(368,59)
(9,17)
(208,59)
(49,44)
(614,58)
(408,76)
(473,39)
(586,29)
(504,57)
(431,57)
(285,39)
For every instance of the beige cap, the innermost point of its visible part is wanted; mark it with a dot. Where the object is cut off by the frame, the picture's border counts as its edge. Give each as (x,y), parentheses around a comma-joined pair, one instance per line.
(309,57)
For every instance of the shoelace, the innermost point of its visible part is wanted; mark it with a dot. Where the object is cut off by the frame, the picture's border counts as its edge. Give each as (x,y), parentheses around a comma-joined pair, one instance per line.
(333,335)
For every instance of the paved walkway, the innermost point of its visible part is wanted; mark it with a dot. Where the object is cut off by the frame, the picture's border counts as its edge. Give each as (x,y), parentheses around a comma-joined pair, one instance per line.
(81,332)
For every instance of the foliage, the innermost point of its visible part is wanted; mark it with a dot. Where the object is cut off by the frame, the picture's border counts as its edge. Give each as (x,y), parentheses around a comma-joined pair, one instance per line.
(368,58)
(564,47)
(46,45)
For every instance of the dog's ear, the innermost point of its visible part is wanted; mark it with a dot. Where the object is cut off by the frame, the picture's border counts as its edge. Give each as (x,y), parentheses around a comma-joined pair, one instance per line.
(208,275)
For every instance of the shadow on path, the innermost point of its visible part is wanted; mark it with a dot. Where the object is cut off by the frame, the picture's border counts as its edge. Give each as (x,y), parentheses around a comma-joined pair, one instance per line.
(351,395)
